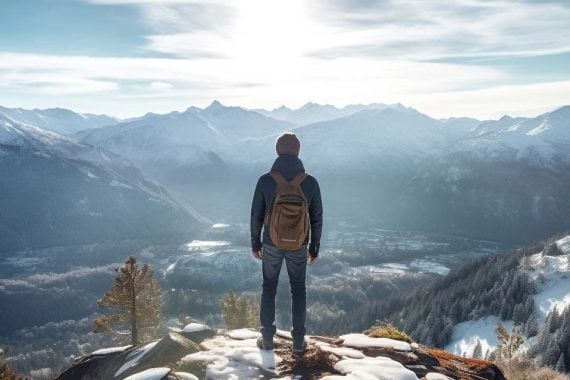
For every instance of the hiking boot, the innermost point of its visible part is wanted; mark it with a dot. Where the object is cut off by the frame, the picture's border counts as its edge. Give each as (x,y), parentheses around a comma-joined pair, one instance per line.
(264,344)
(299,350)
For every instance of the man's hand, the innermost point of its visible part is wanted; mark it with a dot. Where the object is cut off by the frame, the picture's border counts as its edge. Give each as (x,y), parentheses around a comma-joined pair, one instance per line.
(257,254)
(312,259)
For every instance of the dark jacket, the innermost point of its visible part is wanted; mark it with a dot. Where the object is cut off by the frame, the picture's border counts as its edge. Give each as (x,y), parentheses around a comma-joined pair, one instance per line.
(289,166)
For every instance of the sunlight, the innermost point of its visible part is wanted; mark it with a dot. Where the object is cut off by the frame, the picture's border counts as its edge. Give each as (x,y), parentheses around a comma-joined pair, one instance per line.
(270,36)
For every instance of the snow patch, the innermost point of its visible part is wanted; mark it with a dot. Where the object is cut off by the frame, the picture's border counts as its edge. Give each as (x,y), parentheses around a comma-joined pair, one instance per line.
(437,376)
(551,277)
(220,225)
(465,335)
(243,334)
(361,341)
(193,327)
(135,356)
(234,359)
(429,267)
(110,350)
(564,244)
(196,245)
(116,183)
(379,368)
(541,128)
(341,351)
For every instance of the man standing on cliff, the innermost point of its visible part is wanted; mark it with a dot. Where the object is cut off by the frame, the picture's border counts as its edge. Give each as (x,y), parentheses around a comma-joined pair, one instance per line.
(287,206)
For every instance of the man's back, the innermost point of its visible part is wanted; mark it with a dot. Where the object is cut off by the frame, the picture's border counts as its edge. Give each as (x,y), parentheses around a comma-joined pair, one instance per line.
(288,165)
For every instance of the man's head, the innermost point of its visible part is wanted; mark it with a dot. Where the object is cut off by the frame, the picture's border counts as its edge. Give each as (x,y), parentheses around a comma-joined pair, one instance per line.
(288,143)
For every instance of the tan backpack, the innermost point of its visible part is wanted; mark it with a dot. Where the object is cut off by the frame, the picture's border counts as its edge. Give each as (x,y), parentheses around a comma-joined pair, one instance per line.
(289,213)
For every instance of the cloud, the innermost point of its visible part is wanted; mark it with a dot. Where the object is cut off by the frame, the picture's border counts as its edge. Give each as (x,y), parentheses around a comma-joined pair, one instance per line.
(160,86)
(432,30)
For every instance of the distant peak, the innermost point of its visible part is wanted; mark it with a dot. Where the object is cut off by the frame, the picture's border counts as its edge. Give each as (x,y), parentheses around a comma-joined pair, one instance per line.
(215,105)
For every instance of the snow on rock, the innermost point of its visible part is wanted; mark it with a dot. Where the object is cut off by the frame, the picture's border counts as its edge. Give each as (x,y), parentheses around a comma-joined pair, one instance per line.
(134,358)
(193,327)
(341,351)
(230,358)
(150,374)
(564,244)
(241,334)
(361,340)
(110,350)
(379,368)
(465,335)
(437,376)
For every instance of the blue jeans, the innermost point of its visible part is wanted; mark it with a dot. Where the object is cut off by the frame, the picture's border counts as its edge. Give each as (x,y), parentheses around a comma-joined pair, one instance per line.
(296,262)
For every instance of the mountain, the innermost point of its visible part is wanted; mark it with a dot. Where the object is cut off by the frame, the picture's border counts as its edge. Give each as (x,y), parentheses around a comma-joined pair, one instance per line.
(500,179)
(280,113)
(60,120)
(184,150)
(314,113)
(56,191)
(195,351)
(504,180)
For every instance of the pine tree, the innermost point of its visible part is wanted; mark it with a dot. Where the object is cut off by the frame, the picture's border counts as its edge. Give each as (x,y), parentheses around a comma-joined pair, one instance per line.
(478,351)
(507,346)
(135,299)
(560,364)
(6,372)
(239,311)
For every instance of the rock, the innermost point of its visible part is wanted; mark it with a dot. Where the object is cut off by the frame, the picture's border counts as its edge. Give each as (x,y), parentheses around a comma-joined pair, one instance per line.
(162,353)
(197,332)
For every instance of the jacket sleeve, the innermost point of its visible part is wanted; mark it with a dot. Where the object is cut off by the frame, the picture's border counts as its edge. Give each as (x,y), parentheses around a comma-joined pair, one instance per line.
(257,216)
(316,218)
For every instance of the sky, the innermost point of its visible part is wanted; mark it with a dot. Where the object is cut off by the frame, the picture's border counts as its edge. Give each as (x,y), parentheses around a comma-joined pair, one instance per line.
(478,58)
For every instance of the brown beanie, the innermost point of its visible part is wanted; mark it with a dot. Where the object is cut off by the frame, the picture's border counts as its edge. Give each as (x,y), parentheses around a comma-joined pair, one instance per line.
(289,144)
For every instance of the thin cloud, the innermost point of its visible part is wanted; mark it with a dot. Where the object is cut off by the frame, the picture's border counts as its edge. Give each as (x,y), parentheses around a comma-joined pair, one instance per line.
(432,30)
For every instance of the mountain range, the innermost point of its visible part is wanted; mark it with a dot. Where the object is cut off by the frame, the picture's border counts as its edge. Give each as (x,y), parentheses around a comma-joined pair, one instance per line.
(389,165)
(59,191)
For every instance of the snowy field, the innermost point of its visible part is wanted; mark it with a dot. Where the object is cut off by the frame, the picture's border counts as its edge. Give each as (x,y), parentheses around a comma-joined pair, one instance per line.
(551,275)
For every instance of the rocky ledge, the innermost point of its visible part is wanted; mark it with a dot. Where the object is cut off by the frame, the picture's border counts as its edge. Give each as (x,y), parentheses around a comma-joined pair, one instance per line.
(197,352)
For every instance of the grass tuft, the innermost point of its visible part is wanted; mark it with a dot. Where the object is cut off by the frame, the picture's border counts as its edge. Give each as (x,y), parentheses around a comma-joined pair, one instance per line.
(387,330)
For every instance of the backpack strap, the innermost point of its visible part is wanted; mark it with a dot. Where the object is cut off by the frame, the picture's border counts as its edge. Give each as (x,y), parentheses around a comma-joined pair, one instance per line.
(278,177)
(299,178)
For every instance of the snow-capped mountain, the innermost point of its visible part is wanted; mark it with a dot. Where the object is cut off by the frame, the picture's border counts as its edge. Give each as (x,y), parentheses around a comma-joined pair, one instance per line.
(57,191)
(315,113)
(58,120)
(183,149)
(542,139)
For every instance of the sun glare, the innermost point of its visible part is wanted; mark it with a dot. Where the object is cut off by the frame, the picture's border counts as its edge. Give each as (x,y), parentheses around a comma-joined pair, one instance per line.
(270,36)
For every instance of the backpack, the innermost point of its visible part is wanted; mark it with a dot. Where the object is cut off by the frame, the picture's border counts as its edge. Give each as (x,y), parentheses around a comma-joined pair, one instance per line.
(288,216)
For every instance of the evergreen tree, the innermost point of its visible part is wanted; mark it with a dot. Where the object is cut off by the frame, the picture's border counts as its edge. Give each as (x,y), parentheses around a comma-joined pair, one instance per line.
(478,350)
(239,311)
(136,300)
(6,372)
(560,364)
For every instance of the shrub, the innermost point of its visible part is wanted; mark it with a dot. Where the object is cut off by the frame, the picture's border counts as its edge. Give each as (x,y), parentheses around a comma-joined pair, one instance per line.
(387,330)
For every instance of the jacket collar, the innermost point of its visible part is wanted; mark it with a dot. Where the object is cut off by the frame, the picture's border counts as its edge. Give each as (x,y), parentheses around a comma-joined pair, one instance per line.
(288,165)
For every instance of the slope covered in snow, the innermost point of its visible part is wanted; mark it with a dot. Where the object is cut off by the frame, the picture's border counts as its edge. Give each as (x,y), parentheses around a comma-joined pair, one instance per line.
(58,120)
(58,191)
(551,274)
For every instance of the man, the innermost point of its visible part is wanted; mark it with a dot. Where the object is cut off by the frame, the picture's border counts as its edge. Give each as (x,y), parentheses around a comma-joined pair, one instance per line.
(287,170)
